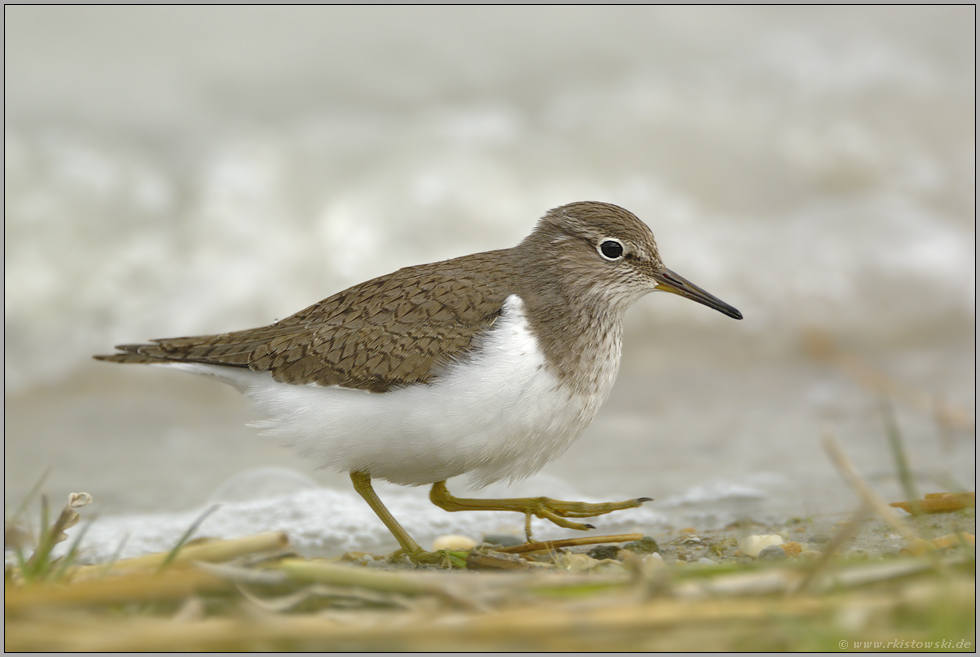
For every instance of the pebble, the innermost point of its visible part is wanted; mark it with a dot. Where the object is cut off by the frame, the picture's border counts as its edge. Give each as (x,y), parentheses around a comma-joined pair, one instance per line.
(954,540)
(360,558)
(653,567)
(575,563)
(792,548)
(453,542)
(503,540)
(752,545)
(601,552)
(772,553)
(645,545)
(705,561)
(609,567)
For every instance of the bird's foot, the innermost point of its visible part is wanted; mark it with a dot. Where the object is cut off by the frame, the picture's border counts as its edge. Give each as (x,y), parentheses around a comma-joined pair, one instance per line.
(543,507)
(558,510)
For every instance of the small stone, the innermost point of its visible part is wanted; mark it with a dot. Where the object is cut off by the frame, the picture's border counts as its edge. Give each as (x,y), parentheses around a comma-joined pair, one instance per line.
(918,547)
(355,557)
(952,540)
(650,567)
(792,548)
(575,563)
(687,530)
(601,552)
(503,540)
(609,567)
(752,545)
(645,545)
(705,561)
(742,523)
(772,553)
(453,542)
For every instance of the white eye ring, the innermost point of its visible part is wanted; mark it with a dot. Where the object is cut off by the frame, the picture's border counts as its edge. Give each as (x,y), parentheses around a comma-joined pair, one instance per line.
(610,249)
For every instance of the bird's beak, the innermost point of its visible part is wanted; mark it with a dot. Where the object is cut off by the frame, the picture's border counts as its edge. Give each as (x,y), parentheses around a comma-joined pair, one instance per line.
(668,281)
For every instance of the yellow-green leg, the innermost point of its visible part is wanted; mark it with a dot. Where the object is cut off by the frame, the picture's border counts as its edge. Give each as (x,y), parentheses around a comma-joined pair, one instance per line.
(543,507)
(362,484)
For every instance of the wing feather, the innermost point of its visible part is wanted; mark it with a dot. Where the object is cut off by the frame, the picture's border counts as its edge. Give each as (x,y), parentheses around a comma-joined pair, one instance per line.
(386,332)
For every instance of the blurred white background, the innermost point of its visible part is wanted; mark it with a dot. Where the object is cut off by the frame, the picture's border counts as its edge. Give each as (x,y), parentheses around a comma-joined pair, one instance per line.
(186,170)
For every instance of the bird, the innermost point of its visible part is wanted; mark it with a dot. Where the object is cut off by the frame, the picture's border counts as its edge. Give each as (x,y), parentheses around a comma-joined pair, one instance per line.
(488,365)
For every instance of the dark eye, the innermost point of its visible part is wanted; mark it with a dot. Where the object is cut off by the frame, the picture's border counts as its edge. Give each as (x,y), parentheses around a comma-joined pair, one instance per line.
(611,249)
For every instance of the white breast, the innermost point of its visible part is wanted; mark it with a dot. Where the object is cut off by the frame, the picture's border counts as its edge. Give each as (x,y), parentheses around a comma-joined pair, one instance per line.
(499,414)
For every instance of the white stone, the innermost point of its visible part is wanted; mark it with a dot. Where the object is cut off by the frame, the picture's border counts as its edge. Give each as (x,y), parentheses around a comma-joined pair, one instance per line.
(453,542)
(752,545)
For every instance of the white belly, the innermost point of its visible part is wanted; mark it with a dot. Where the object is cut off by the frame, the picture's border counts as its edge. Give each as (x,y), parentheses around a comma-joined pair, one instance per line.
(500,414)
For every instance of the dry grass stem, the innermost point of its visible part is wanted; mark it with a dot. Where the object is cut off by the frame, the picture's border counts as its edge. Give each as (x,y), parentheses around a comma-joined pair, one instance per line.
(822,347)
(620,624)
(214,551)
(864,491)
(939,503)
(569,542)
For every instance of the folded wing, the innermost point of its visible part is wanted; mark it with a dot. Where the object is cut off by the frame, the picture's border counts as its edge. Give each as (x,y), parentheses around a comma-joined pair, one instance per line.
(387,332)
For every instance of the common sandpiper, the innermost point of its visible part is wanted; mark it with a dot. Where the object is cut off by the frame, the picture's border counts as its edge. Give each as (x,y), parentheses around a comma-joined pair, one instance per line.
(489,364)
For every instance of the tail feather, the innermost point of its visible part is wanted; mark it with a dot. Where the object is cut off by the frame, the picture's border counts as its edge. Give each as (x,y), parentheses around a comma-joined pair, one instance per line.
(128,357)
(183,350)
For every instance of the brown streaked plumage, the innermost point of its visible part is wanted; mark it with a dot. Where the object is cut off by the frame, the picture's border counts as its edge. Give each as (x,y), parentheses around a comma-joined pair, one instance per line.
(390,331)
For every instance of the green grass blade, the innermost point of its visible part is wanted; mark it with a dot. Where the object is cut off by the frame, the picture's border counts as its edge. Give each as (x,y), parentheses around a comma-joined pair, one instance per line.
(187,536)
(30,496)
(72,553)
(898,451)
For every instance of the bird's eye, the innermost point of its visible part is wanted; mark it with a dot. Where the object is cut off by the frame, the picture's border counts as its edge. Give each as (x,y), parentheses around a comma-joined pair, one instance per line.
(611,249)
